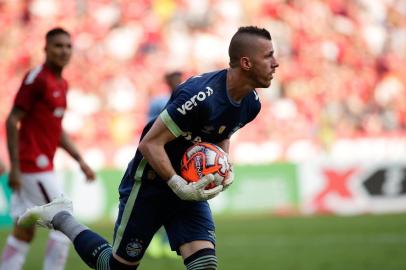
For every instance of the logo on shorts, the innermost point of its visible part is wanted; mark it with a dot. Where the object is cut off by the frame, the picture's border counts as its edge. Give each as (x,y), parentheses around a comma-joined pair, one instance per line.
(134,248)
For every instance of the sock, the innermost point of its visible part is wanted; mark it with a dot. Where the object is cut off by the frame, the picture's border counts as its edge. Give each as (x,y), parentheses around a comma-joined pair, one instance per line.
(57,251)
(68,225)
(14,254)
(93,249)
(202,259)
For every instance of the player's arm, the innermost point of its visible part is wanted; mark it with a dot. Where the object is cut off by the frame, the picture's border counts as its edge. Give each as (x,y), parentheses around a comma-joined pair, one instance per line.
(67,144)
(152,147)
(12,122)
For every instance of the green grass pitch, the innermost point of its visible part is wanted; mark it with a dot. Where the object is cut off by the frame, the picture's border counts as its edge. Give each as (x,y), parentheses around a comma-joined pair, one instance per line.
(266,242)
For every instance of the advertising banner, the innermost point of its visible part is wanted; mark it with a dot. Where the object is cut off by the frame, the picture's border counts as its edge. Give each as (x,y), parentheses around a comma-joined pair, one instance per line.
(278,188)
(353,188)
(272,188)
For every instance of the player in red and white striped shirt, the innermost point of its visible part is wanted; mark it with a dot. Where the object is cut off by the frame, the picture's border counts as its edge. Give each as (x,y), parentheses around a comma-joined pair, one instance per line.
(34,131)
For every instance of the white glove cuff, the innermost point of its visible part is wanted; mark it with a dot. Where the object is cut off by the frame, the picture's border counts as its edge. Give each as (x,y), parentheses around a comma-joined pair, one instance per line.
(175,182)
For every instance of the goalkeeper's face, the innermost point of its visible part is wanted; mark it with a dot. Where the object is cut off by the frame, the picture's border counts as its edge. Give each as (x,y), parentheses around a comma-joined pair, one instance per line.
(59,50)
(263,63)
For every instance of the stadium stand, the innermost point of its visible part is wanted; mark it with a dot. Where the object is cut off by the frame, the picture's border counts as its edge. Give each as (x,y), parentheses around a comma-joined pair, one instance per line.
(341,75)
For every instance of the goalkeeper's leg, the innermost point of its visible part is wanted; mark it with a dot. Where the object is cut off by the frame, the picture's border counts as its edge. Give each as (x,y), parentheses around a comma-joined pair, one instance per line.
(94,250)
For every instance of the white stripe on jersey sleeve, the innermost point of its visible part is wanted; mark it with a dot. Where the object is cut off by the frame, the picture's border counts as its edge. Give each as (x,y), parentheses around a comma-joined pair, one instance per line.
(32,75)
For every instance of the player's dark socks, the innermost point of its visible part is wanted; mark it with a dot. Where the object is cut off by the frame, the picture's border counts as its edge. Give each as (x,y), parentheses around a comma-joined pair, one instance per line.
(94,250)
(202,259)
(67,224)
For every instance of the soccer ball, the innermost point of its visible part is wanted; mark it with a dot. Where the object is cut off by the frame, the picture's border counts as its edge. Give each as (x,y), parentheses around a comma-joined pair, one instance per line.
(202,159)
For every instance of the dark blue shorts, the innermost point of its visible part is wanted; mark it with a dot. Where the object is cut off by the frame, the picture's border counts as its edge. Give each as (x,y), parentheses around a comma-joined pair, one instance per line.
(147,203)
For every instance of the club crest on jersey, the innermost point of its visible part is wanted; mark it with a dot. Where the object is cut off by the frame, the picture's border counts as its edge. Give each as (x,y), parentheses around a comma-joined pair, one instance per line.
(192,102)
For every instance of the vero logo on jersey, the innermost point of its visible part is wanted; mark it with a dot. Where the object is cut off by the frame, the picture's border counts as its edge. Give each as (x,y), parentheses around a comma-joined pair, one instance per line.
(192,102)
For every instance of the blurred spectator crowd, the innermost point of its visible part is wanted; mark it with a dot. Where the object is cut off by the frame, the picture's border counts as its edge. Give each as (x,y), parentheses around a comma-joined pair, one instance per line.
(342,67)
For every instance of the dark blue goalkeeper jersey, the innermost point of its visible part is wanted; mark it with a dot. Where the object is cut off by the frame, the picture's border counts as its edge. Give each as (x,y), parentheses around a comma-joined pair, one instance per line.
(200,110)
